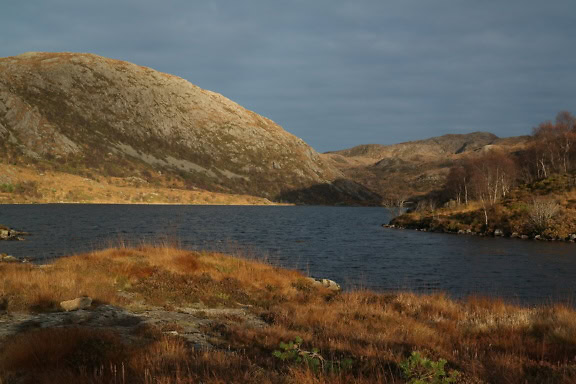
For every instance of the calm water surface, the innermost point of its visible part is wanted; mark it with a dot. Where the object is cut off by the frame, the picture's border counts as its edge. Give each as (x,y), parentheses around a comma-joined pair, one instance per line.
(346,244)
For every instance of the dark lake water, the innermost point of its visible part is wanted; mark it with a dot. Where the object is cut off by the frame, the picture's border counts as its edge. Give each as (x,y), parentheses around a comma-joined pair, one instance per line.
(346,244)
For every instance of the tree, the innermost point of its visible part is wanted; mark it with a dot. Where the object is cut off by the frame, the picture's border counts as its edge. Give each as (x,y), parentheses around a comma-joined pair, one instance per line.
(457,184)
(486,178)
(541,213)
(554,146)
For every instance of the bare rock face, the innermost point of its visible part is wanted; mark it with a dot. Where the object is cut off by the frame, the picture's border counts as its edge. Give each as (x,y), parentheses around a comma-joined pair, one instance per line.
(106,114)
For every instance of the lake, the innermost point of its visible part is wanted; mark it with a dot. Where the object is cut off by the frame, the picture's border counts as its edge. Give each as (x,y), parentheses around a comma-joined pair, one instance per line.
(345,244)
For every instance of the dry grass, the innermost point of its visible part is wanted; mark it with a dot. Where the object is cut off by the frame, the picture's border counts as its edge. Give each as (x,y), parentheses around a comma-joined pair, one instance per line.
(487,340)
(155,274)
(59,187)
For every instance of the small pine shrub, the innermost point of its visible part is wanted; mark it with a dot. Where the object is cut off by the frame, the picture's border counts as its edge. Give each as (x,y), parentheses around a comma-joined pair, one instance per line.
(421,370)
(292,352)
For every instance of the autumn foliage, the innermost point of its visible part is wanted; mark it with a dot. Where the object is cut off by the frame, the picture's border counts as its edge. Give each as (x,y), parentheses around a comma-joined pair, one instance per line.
(530,192)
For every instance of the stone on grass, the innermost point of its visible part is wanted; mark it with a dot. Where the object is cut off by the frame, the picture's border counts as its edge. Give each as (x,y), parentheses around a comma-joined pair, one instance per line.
(325,283)
(76,304)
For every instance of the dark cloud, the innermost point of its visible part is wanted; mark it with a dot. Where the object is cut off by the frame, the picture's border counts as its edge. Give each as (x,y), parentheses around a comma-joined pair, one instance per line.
(336,73)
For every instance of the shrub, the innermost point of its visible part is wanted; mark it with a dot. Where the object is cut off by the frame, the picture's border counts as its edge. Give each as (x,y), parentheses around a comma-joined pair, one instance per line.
(293,352)
(420,370)
(9,188)
(541,214)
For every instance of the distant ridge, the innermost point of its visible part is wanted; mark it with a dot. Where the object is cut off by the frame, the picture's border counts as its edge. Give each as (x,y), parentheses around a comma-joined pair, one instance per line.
(433,147)
(416,167)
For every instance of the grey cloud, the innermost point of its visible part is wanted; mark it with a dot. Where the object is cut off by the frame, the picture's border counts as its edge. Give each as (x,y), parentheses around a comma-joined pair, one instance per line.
(336,73)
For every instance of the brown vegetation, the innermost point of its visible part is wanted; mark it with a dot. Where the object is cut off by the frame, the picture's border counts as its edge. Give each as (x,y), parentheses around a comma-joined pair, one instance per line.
(29,184)
(530,192)
(486,340)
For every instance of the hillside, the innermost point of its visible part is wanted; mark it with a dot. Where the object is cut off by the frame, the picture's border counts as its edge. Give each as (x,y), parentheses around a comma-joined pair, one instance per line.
(93,116)
(25,185)
(414,168)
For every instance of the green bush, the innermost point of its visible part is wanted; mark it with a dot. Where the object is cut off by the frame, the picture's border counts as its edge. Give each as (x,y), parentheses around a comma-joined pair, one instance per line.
(9,188)
(420,370)
(292,352)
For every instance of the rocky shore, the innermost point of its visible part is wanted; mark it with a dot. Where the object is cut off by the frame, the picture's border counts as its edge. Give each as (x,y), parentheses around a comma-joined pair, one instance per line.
(11,234)
(425,227)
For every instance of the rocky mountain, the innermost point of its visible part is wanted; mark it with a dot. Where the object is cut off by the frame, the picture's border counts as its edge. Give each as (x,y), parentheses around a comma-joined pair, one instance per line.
(83,113)
(414,168)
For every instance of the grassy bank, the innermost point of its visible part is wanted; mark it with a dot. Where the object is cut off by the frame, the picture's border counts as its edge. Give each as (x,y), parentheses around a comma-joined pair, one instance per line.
(25,185)
(245,309)
(542,210)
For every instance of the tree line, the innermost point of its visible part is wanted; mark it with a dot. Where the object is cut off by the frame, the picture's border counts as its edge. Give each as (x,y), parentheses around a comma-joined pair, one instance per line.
(490,176)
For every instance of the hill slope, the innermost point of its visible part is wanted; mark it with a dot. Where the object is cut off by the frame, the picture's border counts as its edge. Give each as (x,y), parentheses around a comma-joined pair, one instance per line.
(83,113)
(413,168)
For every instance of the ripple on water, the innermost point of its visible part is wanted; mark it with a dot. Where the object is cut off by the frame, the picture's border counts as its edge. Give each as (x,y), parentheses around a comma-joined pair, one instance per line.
(346,244)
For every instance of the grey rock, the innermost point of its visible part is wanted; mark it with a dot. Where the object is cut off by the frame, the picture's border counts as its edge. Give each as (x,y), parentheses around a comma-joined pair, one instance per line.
(514,235)
(4,258)
(11,234)
(76,304)
(325,283)
(187,323)
(498,232)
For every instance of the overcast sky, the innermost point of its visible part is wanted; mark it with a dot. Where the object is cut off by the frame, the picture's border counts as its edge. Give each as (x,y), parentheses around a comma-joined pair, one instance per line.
(335,73)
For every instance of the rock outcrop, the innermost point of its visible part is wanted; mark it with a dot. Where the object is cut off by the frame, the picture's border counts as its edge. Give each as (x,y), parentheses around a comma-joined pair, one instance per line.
(11,234)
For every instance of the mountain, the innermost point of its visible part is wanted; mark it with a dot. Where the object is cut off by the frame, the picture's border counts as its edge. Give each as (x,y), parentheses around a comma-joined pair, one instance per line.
(86,114)
(414,168)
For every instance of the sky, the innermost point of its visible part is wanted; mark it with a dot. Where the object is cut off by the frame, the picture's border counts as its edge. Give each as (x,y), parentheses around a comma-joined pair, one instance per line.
(335,73)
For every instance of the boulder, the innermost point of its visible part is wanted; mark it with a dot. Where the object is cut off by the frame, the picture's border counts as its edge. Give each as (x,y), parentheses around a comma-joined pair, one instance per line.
(514,235)
(76,304)
(4,258)
(498,232)
(10,234)
(325,283)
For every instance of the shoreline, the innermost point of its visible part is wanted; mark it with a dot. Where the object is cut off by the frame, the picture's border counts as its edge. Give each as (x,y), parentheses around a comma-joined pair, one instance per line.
(272,204)
(570,239)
